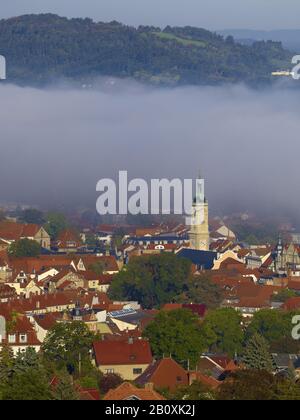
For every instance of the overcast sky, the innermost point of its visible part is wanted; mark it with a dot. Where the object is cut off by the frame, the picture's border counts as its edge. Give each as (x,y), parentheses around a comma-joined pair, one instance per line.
(212,14)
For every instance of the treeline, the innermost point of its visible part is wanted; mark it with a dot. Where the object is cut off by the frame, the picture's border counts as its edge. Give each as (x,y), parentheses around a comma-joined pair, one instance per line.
(43,48)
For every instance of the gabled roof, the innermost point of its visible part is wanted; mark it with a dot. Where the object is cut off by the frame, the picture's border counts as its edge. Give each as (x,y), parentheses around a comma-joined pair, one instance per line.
(127,391)
(109,352)
(14,231)
(165,373)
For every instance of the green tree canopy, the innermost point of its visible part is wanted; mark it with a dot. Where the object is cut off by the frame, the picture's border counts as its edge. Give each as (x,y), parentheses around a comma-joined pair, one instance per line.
(32,216)
(31,385)
(272,325)
(257,354)
(25,248)
(284,295)
(64,390)
(176,333)
(248,385)
(68,346)
(55,224)
(151,280)
(201,289)
(195,392)
(222,331)
(257,385)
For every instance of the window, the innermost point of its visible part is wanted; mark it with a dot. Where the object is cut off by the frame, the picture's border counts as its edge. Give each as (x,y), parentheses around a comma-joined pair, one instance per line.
(12,338)
(23,338)
(109,371)
(179,379)
(137,371)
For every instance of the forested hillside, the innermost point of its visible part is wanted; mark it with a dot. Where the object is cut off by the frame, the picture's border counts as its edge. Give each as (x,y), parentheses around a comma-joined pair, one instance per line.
(43,48)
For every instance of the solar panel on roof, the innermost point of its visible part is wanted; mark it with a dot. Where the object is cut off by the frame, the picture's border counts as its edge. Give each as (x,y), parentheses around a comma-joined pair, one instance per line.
(123,312)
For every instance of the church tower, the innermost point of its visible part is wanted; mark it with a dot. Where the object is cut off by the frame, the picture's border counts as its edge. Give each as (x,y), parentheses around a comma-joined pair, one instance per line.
(199,233)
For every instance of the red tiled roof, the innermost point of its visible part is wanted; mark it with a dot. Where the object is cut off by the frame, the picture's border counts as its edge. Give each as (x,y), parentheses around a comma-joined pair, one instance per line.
(122,352)
(292,304)
(127,391)
(165,373)
(208,381)
(14,231)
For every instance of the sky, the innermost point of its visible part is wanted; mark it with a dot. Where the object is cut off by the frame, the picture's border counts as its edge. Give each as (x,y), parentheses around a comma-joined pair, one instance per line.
(56,144)
(211,14)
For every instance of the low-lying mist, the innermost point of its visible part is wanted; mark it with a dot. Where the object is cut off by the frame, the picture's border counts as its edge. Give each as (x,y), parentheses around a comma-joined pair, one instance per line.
(57,143)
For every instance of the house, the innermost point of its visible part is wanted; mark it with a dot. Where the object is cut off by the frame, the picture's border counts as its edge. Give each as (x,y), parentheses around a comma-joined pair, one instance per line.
(85,394)
(219,230)
(249,298)
(108,264)
(58,281)
(7,293)
(228,258)
(68,241)
(286,362)
(164,374)
(11,232)
(21,334)
(214,366)
(129,392)
(42,324)
(129,358)
(25,287)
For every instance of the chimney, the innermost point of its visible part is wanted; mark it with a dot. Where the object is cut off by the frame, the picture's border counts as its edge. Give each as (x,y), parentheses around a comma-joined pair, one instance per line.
(149,386)
(130,340)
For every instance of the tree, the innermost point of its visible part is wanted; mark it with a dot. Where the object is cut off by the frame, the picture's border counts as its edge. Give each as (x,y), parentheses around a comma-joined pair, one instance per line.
(248,385)
(98,267)
(25,248)
(7,364)
(285,345)
(287,390)
(176,333)
(195,392)
(27,360)
(272,325)
(284,295)
(56,223)
(117,241)
(31,385)
(151,280)
(32,216)
(108,382)
(257,385)
(64,389)
(222,331)
(201,289)
(257,355)
(68,345)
